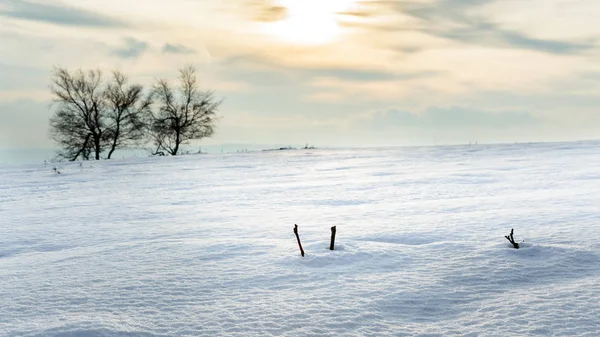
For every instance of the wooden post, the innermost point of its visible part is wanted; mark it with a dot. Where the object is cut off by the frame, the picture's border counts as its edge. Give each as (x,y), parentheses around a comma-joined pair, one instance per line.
(298,238)
(332,238)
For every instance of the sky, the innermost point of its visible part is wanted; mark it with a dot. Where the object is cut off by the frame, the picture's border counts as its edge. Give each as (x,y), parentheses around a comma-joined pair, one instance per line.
(323,72)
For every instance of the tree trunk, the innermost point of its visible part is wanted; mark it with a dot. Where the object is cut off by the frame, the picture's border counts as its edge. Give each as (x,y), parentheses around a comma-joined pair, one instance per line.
(97,147)
(114,143)
(177,141)
(83,150)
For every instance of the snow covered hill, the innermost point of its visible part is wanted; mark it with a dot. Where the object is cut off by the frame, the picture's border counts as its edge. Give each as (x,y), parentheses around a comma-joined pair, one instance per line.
(202,245)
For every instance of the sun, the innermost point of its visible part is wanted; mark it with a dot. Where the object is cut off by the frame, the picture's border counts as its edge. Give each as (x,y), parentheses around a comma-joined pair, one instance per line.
(309,21)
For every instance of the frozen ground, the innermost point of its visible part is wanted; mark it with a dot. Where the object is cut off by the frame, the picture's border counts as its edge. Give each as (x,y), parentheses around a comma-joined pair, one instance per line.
(203,245)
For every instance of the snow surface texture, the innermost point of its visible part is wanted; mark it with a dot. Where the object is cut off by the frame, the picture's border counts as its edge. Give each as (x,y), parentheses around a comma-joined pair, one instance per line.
(203,245)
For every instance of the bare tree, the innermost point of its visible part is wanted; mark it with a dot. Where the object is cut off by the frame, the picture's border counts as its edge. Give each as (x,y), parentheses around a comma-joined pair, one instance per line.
(77,125)
(183,115)
(93,116)
(126,108)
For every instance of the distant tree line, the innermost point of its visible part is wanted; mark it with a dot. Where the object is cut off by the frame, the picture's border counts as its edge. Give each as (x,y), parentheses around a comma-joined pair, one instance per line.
(95,115)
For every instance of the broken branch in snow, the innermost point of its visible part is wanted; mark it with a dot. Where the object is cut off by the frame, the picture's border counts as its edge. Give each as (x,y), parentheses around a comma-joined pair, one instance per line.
(332,238)
(298,238)
(512,239)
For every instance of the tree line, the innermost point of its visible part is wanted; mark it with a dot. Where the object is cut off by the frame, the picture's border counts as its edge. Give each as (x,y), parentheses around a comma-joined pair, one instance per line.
(96,115)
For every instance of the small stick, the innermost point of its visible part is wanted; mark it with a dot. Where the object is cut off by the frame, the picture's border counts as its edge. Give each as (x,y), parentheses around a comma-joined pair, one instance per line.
(332,238)
(512,239)
(298,238)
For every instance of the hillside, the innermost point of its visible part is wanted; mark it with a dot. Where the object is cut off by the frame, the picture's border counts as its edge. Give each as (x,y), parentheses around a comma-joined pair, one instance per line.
(202,245)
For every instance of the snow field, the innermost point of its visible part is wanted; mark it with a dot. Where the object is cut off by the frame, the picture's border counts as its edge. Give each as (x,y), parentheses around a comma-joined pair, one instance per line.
(203,245)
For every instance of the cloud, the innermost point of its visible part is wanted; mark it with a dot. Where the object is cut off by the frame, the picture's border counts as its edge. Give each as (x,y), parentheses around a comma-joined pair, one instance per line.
(414,88)
(490,35)
(58,14)
(364,75)
(454,20)
(269,70)
(455,117)
(169,48)
(132,49)
(16,77)
(341,84)
(24,124)
(265,10)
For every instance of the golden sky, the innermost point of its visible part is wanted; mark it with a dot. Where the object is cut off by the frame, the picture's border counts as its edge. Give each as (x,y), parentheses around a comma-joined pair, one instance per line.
(327,72)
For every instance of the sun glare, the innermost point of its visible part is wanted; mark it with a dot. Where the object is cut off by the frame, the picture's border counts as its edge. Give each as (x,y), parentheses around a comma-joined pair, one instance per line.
(309,21)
